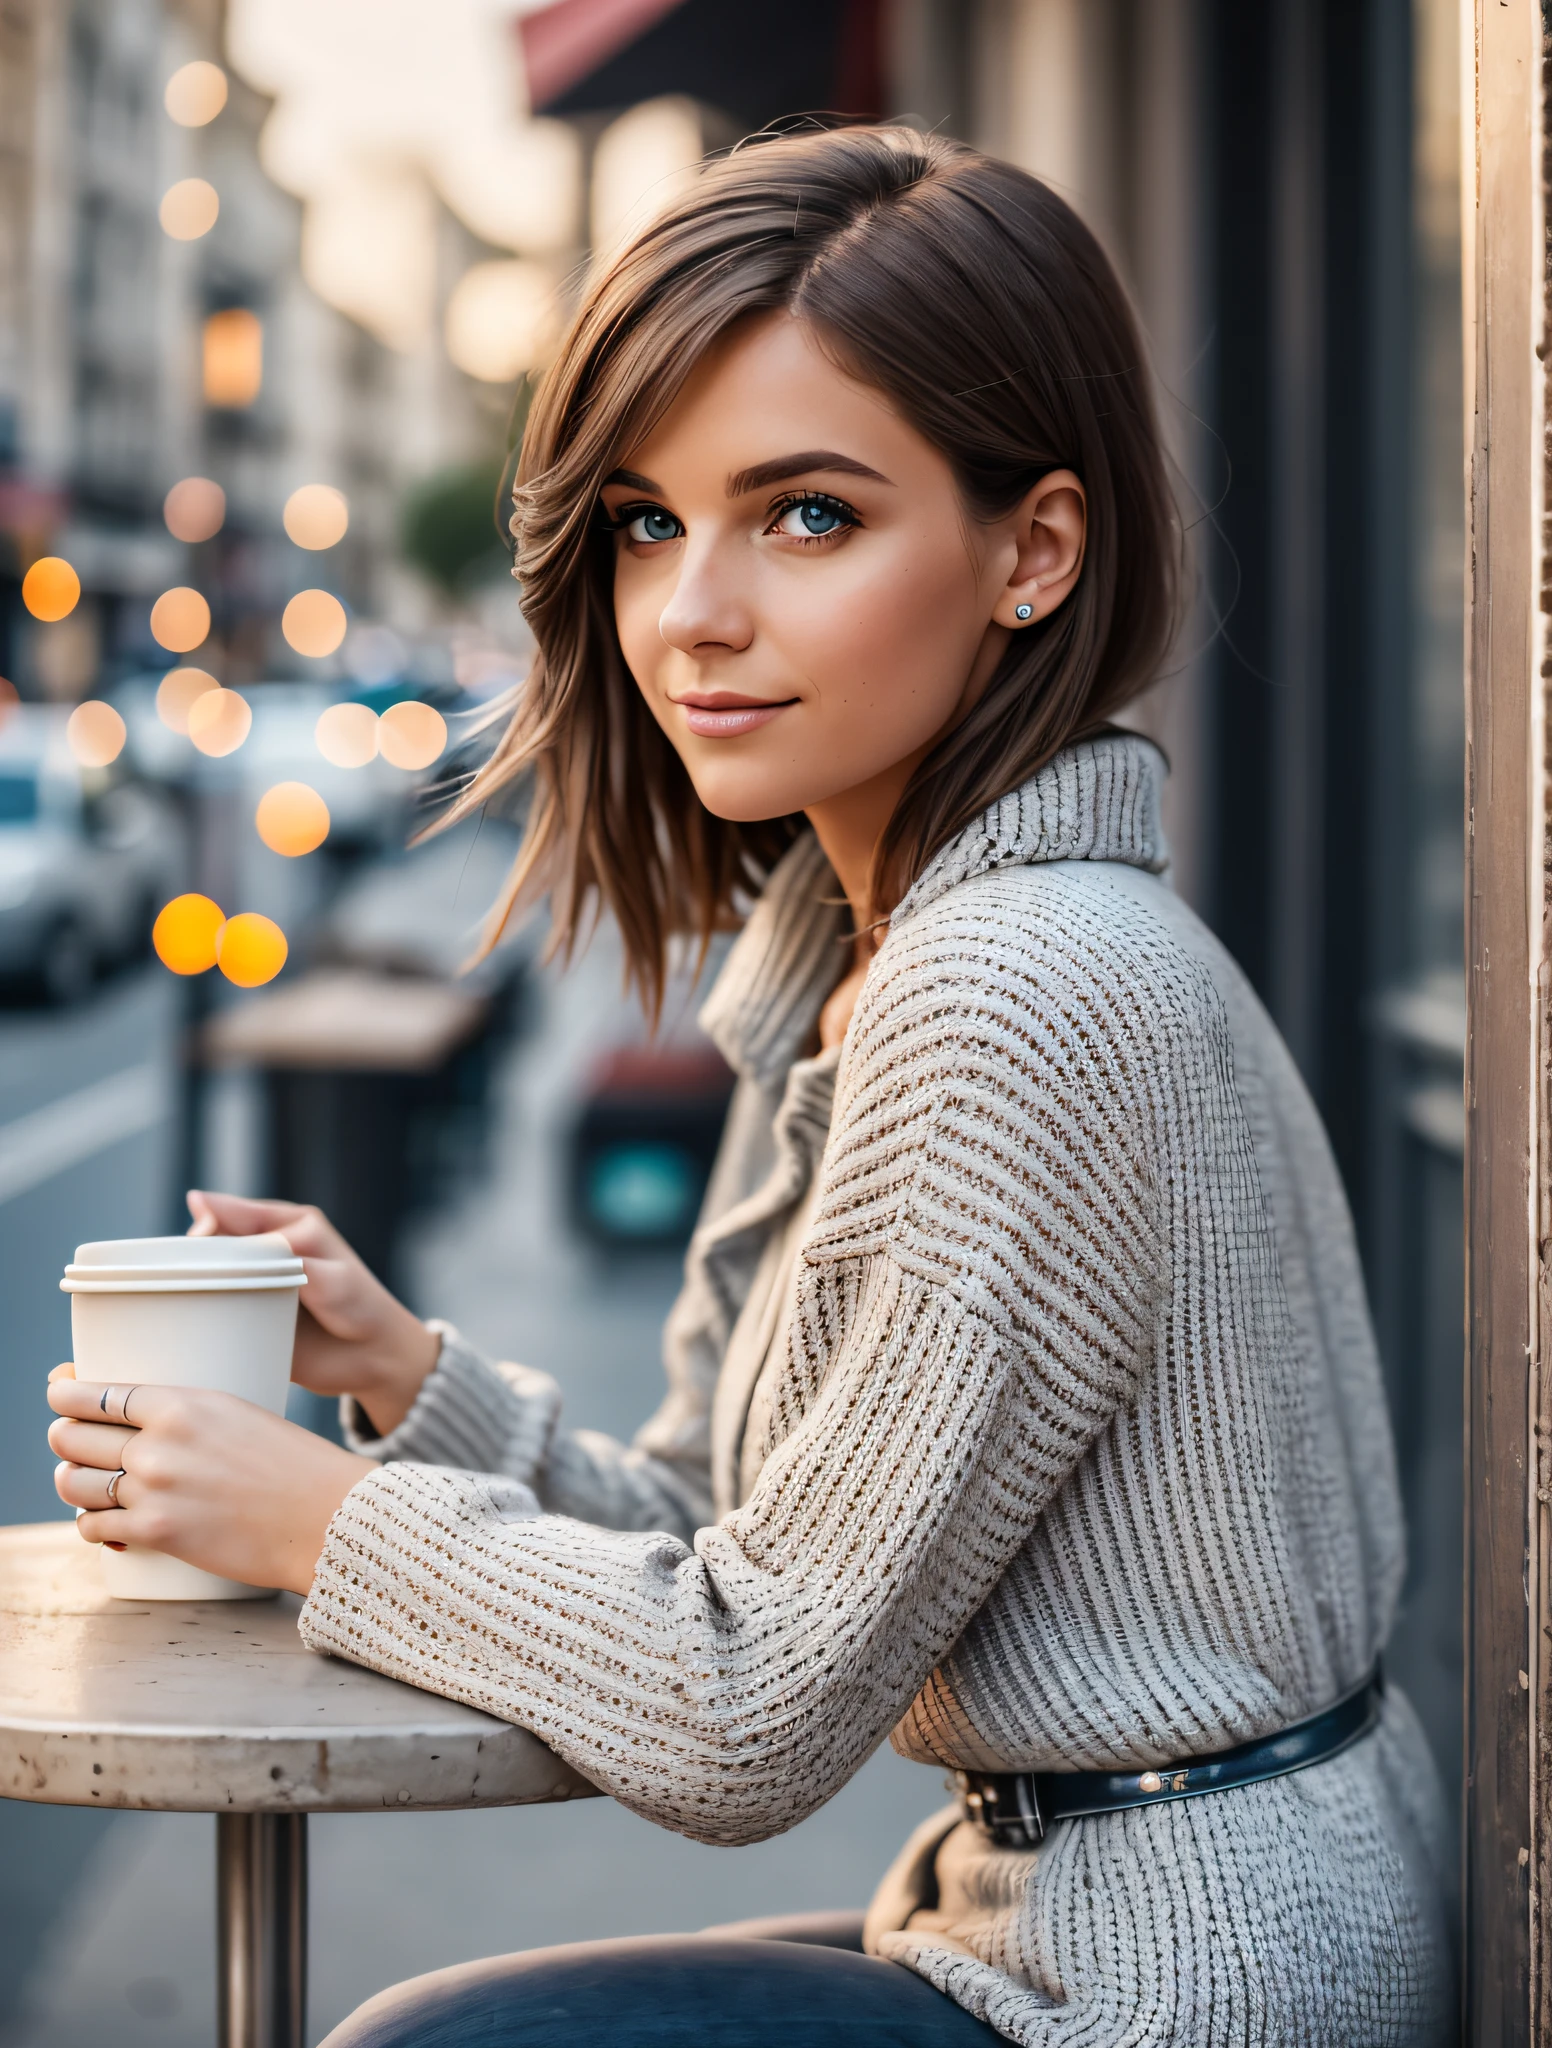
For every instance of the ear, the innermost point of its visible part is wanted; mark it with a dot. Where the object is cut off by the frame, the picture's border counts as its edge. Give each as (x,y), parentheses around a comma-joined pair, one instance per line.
(1049,529)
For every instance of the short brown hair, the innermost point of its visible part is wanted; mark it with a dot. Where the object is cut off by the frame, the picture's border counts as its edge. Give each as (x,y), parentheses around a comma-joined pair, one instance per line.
(982,307)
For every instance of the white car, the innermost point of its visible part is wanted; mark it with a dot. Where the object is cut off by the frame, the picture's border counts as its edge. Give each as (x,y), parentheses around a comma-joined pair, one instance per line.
(87,858)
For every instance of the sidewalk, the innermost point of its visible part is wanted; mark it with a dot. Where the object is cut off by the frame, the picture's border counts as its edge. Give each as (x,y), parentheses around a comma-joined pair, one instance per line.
(131,1959)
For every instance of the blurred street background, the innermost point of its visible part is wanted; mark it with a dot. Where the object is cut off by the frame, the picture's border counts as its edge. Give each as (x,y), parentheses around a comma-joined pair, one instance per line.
(275,277)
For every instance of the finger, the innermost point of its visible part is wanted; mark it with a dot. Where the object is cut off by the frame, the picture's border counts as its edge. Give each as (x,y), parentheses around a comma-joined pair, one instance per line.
(107,1401)
(85,1486)
(62,1372)
(99,1526)
(218,1215)
(90,1443)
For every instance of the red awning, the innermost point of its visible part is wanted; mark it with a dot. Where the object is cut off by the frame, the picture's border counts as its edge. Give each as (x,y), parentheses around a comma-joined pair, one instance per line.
(562,43)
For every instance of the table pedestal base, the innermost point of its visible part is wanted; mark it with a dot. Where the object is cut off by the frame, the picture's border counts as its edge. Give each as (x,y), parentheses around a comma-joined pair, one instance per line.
(261,1909)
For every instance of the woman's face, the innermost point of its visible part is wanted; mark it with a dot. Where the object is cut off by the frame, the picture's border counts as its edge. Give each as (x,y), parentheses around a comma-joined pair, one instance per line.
(800,593)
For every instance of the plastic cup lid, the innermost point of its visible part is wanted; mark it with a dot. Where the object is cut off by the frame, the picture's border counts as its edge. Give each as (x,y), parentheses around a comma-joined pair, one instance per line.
(187,1261)
(186,1252)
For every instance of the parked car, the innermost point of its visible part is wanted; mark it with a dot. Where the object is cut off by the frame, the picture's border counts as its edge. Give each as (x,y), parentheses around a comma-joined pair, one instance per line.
(87,858)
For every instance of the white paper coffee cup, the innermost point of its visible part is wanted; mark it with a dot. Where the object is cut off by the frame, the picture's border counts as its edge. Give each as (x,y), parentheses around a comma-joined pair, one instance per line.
(212,1312)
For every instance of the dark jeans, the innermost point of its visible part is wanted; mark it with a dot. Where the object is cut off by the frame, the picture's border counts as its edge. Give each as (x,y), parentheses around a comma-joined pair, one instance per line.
(801,1982)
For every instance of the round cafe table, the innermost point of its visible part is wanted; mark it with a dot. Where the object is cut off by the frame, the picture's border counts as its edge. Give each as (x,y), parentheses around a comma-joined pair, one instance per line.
(218,1707)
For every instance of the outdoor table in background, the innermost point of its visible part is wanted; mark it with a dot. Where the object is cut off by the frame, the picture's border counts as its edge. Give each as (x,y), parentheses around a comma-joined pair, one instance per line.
(218,1707)
(352,1060)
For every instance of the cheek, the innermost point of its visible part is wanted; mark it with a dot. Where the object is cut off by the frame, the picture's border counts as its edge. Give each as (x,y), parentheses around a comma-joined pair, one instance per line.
(901,635)
(638,605)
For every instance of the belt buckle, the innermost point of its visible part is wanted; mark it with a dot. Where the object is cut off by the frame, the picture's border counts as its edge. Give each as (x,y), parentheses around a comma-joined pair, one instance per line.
(982,1802)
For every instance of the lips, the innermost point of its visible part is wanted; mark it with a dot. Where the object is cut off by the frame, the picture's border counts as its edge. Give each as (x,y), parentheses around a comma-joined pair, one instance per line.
(726,717)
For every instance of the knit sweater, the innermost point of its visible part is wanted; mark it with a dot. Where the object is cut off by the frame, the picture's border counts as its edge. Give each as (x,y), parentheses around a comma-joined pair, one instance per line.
(1075,1457)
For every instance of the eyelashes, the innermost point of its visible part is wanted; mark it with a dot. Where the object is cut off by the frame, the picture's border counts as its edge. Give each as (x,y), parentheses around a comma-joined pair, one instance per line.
(644,516)
(811,507)
(815,517)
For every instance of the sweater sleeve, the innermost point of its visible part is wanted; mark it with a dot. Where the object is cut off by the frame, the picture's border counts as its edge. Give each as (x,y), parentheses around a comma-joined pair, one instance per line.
(728,1688)
(482,1415)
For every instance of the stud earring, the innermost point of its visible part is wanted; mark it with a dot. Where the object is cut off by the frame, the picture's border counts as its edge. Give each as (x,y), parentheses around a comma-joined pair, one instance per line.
(1023,611)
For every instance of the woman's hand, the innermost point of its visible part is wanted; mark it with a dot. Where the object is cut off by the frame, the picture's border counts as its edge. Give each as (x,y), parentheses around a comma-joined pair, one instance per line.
(208,1478)
(352,1336)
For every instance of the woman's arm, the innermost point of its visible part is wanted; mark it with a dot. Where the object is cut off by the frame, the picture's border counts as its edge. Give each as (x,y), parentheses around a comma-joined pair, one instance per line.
(975,1306)
(419,1392)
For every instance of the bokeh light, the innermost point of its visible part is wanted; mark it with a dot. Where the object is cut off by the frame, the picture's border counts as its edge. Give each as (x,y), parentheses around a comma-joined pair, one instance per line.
(10,697)
(347,735)
(180,620)
(51,588)
(219,721)
(189,209)
(313,623)
(195,93)
(411,735)
(251,949)
(194,509)
(232,358)
(501,320)
(185,934)
(95,733)
(176,693)
(316,516)
(639,163)
(292,819)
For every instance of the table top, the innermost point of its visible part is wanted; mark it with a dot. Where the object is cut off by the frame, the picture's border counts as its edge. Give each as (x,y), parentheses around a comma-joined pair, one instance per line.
(218,1706)
(348,1019)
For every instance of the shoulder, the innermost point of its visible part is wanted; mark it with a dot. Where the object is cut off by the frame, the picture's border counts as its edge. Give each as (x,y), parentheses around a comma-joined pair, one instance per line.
(997,1104)
(1080,963)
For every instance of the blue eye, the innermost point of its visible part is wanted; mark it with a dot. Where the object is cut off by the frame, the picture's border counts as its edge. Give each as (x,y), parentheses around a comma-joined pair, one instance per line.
(813,517)
(651,524)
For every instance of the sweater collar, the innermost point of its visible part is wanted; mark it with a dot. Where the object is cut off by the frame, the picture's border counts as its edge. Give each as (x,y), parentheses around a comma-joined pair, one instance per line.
(1096,800)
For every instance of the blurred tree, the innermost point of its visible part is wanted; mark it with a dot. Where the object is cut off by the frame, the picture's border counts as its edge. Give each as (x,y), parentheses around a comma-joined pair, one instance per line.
(454,524)
(448,528)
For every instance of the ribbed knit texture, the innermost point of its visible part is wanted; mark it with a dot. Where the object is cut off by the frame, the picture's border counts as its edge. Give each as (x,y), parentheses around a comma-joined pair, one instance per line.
(1076,1458)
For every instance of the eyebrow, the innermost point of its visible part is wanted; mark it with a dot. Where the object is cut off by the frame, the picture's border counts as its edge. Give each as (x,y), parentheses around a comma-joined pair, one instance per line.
(785,467)
(777,471)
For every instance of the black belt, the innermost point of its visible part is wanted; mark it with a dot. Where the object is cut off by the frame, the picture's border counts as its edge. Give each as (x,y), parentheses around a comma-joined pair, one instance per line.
(1016,1807)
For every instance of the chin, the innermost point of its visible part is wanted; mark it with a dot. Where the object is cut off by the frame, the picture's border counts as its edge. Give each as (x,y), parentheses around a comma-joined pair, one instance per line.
(749,799)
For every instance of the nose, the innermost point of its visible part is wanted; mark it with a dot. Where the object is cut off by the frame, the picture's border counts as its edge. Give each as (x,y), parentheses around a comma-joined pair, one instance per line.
(706,610)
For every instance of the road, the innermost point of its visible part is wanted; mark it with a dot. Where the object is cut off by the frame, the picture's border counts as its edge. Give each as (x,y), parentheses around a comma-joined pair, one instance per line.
(129,1958)
(88,1117)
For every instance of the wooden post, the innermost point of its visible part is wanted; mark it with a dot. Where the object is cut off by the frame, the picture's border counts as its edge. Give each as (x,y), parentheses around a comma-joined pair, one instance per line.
(1508,1673)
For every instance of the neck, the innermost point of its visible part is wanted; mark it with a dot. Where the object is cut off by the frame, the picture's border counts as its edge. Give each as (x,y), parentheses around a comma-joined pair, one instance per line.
(849,827)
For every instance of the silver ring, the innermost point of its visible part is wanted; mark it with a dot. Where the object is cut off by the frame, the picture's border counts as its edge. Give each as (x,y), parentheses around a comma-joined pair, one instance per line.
(113,1486)
(123,1414)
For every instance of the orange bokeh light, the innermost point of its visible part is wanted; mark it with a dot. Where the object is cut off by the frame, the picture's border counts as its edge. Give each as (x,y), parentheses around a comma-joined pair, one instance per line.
(176,694)
(51,589)
(219,721)
(195,93)
(251,949)
(347,735)
(194,509)
(316,516)
(233,358)
(180,620)
(292,819)
(186,933)
(189,209)
(313,623)
(95,734)
(411,735)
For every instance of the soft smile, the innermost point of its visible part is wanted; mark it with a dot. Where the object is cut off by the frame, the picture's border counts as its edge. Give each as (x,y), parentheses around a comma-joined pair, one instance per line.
(719,714)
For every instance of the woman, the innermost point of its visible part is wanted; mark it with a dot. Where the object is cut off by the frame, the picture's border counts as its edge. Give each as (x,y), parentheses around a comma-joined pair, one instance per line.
(1023,1405)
